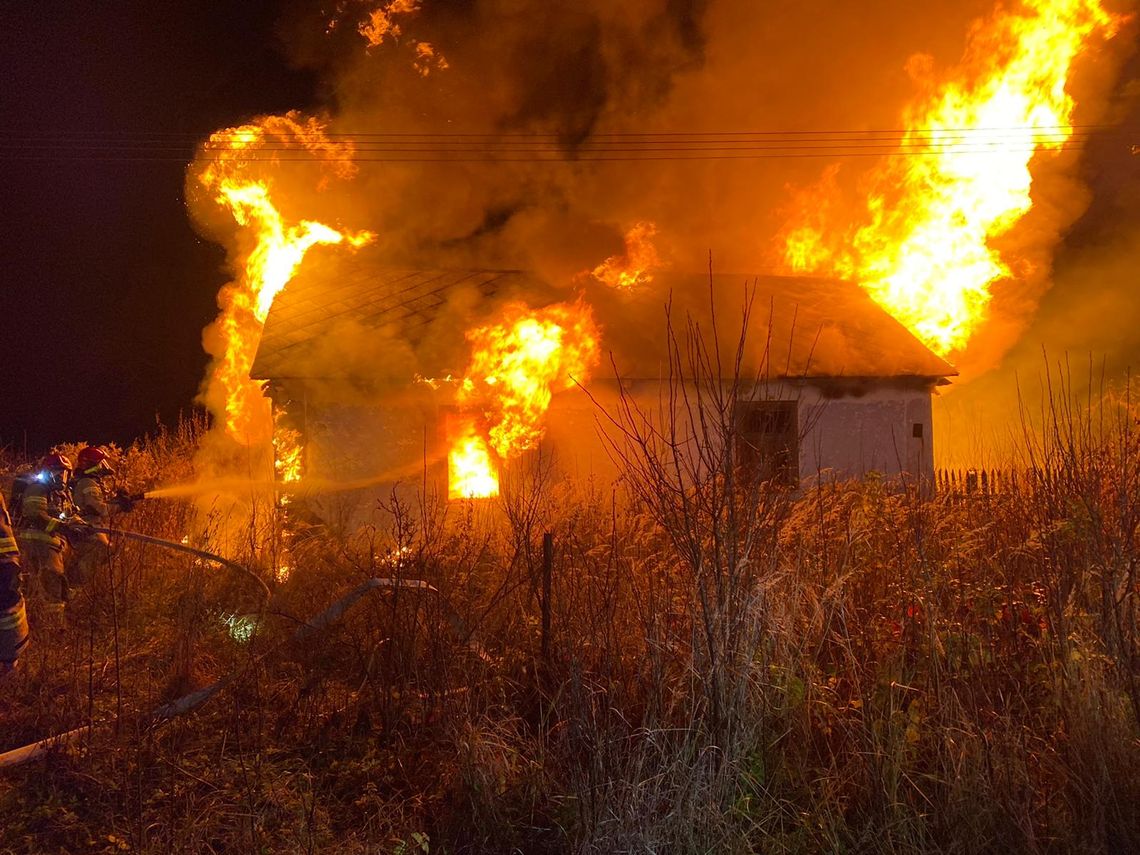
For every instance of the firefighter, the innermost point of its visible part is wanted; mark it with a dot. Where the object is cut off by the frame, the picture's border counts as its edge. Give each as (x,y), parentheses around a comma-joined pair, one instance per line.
(93,505)
(13,615)
(46,510)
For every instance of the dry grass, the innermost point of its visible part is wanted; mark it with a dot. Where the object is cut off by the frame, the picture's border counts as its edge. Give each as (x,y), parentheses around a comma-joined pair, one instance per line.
(889,672)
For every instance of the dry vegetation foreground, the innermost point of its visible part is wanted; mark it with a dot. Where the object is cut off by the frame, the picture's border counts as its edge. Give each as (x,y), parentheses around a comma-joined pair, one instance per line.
(725,669)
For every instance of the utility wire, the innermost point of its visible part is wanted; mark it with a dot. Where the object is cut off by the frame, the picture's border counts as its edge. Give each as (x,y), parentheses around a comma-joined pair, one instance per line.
(331,135)
(460,147)
(637,142)
(532,160)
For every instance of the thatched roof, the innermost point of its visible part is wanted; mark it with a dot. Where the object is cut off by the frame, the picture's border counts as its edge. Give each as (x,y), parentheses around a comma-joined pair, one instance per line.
(354,319)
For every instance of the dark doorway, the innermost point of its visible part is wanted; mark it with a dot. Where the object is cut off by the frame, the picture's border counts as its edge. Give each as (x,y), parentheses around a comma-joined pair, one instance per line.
(767,440)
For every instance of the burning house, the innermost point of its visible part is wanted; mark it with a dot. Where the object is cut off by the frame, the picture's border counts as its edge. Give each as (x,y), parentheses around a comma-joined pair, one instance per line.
(421,377)
(451,377)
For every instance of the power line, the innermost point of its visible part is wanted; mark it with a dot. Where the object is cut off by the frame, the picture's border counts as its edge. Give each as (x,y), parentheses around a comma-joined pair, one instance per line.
(458,147)
(270,154)
(332,135)
(239,144)
(497,160)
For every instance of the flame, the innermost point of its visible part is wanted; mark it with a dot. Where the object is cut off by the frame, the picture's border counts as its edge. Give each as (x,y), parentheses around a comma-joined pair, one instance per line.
(428,58)
(381,22)
(519,363)
(278,250)
(288,463)
(963,177)
(287,454)
(636,266)
(433,382)
(470,471)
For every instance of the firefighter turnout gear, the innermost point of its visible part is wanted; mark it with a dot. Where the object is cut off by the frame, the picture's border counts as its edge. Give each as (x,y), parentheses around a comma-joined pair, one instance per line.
(13,614)
(46,508)
(92,549)
(90,500)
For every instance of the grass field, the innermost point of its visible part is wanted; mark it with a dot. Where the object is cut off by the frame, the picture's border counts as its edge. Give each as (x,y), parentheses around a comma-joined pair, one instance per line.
(864,667)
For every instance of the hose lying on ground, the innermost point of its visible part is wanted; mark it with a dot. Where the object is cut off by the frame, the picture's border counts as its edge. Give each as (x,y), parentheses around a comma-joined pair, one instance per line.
(319,622)
(182,547)
(309,628)
(33,750)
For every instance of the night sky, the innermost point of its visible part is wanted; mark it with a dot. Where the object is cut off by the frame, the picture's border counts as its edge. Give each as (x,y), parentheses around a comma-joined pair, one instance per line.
(106,285)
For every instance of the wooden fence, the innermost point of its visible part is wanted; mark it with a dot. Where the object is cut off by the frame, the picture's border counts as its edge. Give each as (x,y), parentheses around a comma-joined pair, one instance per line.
(976,482)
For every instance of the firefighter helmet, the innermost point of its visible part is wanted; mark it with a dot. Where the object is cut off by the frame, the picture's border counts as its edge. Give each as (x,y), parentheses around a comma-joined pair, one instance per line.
(56,462)
(93,458)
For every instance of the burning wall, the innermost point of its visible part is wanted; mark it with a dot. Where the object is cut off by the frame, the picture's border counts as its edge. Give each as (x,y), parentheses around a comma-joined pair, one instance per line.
(862,379)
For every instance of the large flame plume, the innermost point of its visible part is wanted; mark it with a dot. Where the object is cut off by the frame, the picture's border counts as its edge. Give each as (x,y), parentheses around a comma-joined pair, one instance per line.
(230,174)
(637,265)
(471,472)
(962,175)
(517,365)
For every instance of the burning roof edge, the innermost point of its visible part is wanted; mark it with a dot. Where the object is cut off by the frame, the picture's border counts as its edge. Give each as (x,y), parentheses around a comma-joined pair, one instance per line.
(406,321)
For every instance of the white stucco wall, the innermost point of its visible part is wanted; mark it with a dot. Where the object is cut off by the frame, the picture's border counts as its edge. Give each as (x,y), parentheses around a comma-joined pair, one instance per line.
(845,436)
(374,448)
(848,437)
(402,442)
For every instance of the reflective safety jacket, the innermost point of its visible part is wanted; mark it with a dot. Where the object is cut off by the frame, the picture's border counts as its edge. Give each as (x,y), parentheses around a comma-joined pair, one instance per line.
(13,613)
(45,508)
(90,500)
(9,550)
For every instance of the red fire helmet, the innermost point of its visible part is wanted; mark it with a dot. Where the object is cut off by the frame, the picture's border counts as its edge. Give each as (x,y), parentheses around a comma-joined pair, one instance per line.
(57,462)
(93,457)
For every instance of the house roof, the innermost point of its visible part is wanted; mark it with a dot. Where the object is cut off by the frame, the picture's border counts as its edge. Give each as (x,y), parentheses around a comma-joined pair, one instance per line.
(798,327)
(355,320)
(346,319)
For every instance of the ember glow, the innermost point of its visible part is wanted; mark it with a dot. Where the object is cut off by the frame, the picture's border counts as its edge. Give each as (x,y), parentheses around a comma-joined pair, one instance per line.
(380,22)
(428,59)
(637,265)
(383,21)
(963,174)
(278,249)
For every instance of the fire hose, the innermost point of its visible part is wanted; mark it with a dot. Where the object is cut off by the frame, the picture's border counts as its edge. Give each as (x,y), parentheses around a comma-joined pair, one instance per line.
(196,698)
(181,547)
(304,633)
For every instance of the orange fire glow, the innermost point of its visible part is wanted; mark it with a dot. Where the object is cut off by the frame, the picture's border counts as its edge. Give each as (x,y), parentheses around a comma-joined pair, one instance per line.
(287,455)
(278,249)
(963,176)
(428,59)
(471,472)
(517,365)
(381,22)
(637,265)
(287,444)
